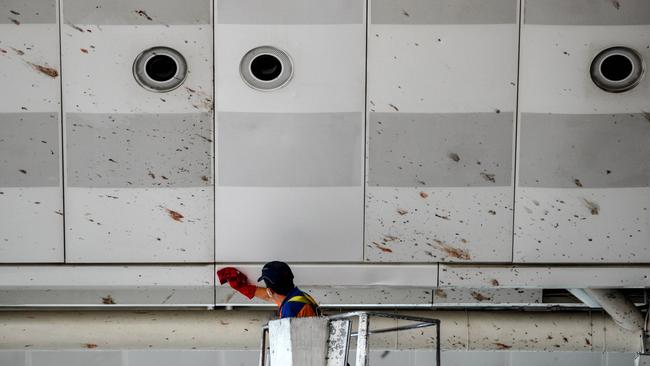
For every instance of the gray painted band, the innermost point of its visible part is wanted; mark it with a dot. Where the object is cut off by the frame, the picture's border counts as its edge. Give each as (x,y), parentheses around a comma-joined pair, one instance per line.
(28,12)
(290,149)
(587,12)
(29,150)
(136,12)
(443,12)
(588,150)
(139,150)
(440,150)
(287,12)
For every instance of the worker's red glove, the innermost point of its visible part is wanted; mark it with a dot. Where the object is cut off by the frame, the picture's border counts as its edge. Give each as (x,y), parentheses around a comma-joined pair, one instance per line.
(237,281)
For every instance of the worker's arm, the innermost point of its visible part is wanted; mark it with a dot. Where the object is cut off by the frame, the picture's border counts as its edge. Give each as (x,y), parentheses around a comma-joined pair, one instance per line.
(261,293)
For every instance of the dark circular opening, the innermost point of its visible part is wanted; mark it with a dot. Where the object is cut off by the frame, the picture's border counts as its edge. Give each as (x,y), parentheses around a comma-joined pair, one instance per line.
(616,67)
(266,67)
(161,68)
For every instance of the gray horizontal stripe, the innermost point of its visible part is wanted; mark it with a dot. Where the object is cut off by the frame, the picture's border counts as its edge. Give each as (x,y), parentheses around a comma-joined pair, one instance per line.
(139,150)
(440,150)
(290,11)
(443,12)
(29,150)
(589,150)
(587,12)
(26,12)
(290,149)
(136,12)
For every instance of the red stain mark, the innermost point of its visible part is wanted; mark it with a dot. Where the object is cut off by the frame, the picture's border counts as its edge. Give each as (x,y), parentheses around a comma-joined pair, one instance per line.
(108,300)
(479,296)
(176,216)
(494,282)
(49,71)
(453,251)
(90,345)
(382,248)
(502,346)
(143,13)
(83,50)
(14,21)
(394,107)
(424,194)
(402,211)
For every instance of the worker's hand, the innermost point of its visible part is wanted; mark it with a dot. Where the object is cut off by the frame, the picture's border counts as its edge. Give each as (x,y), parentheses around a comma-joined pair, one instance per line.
(237,281)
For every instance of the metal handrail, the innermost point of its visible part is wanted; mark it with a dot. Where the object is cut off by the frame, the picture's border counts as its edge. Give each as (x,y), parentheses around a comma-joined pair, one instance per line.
(364,331)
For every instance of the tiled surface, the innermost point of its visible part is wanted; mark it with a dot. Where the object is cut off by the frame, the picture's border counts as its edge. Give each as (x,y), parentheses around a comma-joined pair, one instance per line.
(30,132)
(133,154)
(583,175)
(251,358)
(440,130)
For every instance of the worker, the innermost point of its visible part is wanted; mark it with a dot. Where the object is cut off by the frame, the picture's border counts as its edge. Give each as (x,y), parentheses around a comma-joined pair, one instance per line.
(280,289)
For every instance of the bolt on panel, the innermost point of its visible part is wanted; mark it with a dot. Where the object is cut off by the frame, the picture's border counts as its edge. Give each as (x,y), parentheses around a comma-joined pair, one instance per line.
(139,150)
(583,184)
(440,138)
(30,133)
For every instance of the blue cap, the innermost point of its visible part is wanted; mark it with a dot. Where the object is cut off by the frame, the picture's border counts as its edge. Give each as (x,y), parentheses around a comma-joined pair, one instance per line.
(276,273)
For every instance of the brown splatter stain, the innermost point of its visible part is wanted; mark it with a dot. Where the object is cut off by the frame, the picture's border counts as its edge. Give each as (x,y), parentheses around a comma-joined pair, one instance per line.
(587,342)
(577,182)
(176,216)
(592,206)
(454,157)
(205,178)
(90,345)
(83,50)
(441,293)
(382,248)
(76,27)
(424,194)
(502,345)
(453,251)
(203,137)
(616,4)
(16,22)
(152,175)
(3,50)
(479,296)
(22,171)
(14,12)
(565,339)
(488,177)
(108,300)
(49,71)
(494,282)
(402,211)
(442,217)
(163,177)
(18,52)
(492,212)
(405,13)
(390,238)
(394,107)
(143,13)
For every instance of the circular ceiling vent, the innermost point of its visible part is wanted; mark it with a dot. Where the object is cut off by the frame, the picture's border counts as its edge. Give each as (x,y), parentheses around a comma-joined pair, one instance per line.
(266,68)
(160,69)
(617,69)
